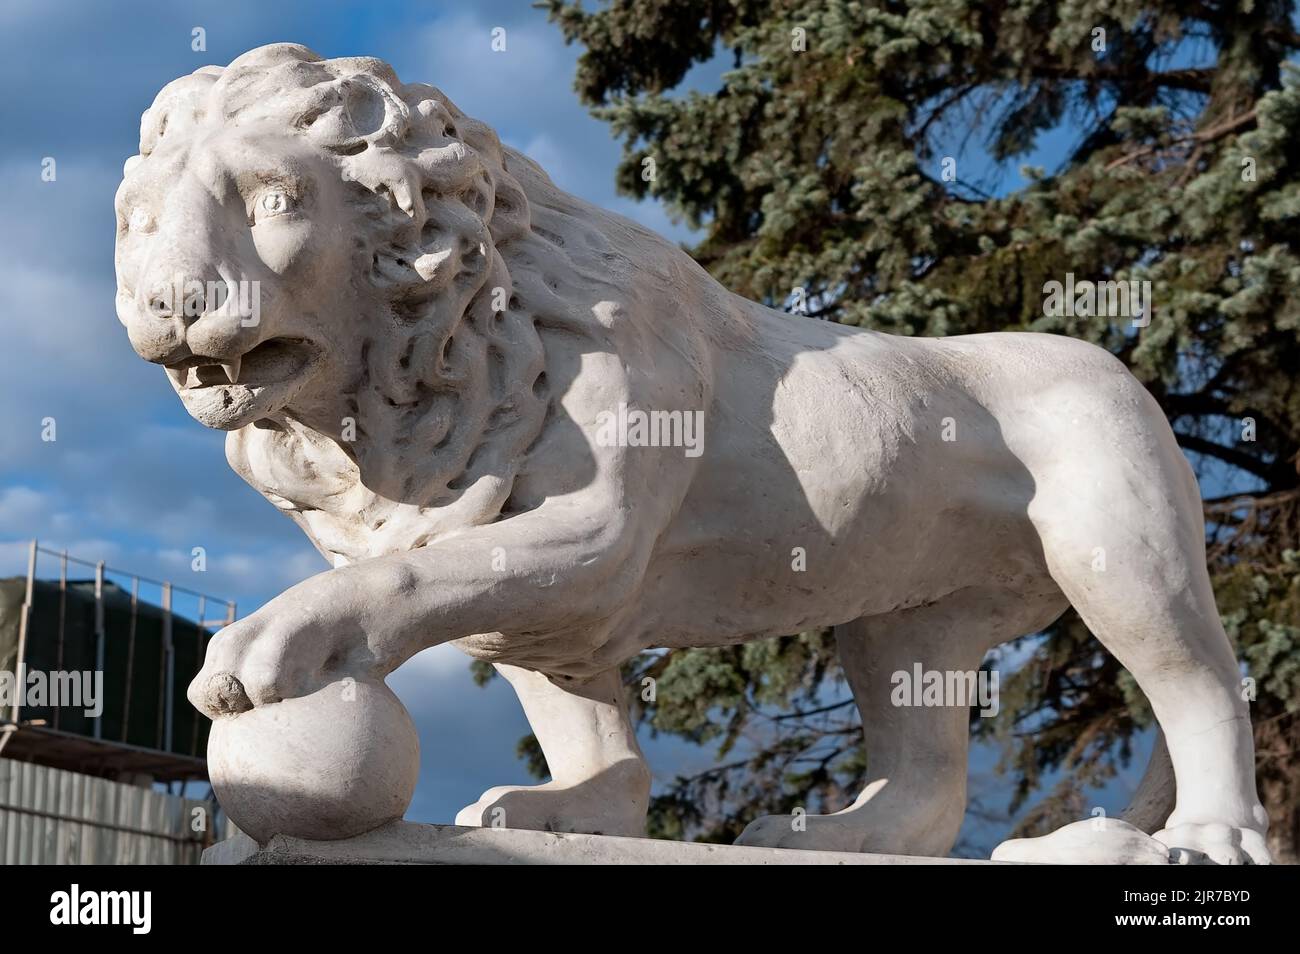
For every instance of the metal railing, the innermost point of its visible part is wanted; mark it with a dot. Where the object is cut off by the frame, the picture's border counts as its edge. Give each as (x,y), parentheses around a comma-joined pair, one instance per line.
(167,675)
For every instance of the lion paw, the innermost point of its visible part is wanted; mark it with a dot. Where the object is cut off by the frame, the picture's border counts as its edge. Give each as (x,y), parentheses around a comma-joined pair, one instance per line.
(613,803)
(1214,844)
(1094,841)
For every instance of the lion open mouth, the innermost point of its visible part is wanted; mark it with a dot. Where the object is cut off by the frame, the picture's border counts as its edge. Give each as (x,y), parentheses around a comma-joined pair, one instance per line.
(271,362)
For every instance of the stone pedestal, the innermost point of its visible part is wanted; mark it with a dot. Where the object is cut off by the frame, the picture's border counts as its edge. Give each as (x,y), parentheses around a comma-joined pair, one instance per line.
(409,843)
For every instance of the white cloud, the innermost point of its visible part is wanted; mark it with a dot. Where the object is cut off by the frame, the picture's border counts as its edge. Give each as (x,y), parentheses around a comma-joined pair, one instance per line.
(23,507)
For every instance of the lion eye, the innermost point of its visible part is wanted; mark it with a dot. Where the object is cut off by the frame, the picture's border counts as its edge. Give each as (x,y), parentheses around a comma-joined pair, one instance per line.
(140,221)
(275,203)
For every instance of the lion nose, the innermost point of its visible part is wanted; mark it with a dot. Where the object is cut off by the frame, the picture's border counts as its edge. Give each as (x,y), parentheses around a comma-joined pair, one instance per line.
(155,328)
(157,312)
(190,311)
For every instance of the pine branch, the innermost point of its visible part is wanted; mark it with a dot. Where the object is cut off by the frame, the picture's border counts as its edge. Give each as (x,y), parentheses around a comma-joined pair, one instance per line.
(1200,138)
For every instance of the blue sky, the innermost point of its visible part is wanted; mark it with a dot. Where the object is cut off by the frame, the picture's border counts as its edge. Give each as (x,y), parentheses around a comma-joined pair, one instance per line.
(131,479)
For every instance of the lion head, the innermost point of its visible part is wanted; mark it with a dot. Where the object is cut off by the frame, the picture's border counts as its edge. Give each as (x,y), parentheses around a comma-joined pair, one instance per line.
(352,229)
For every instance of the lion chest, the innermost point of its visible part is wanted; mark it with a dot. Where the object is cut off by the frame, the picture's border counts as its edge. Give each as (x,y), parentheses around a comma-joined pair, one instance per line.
(311,479)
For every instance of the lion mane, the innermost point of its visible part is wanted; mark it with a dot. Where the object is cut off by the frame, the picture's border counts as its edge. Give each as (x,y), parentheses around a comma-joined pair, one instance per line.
(453,391)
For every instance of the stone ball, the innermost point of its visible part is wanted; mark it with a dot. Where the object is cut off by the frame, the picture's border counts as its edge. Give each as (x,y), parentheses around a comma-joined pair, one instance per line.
(334,764)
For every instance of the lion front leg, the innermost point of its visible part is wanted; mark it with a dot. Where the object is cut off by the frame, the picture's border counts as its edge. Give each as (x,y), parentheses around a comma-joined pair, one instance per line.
(566,568)
(600,782)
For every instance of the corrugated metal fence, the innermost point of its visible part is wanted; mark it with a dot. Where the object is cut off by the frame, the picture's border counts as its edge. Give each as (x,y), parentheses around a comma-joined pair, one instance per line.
(52,816)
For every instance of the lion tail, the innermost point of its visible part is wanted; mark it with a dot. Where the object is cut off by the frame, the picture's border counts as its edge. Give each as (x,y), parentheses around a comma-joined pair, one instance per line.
(1153,802)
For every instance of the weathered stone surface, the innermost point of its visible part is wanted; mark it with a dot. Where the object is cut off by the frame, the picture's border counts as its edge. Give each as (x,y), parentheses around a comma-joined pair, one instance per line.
(408,843)
(527,426)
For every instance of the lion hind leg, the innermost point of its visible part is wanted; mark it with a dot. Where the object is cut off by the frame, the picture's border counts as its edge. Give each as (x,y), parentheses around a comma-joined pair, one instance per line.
(915,797)
(1123,537)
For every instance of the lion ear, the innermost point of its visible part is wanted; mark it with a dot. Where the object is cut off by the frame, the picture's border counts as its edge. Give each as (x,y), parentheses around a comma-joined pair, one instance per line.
(178,107)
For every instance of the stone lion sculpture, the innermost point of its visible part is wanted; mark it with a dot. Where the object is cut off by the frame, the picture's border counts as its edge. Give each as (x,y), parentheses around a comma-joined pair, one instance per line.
(441,343)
